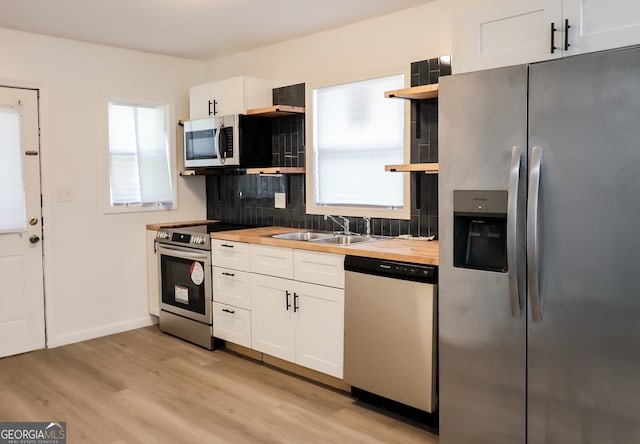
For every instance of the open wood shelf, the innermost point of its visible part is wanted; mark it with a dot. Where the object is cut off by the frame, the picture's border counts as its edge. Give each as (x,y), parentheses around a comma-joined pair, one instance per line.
(428,168)
(415,92)
(211,171)
(276,170)
(276,111)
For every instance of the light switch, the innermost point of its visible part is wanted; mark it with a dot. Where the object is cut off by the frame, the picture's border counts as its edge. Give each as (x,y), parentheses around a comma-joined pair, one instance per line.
(64,194)
(280,200)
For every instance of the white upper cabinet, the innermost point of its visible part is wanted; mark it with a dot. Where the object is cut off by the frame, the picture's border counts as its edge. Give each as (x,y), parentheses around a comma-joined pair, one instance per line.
(597,25)
(513,32)
(229,96)
(505,33)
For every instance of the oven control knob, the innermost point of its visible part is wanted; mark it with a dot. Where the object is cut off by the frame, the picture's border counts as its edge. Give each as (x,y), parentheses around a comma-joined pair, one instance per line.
(198,240)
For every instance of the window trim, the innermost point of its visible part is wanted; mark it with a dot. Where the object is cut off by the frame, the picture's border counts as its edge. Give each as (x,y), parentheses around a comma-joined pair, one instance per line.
(108,207)
(356,211)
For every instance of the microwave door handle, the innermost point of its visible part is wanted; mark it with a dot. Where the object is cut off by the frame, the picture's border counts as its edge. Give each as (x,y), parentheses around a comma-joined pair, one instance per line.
(218,139)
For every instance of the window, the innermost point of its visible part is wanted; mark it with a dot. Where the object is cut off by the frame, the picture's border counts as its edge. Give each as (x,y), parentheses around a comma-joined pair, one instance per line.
(12,198)
(356,131)
(139,156)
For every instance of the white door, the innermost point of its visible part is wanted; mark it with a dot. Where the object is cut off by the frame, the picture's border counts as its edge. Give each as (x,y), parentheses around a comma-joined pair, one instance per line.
(599,25)
(507,33)
(22,325)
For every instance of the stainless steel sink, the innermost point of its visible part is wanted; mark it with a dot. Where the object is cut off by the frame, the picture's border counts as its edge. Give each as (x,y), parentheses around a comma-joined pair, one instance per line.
(345,239)
(303,235)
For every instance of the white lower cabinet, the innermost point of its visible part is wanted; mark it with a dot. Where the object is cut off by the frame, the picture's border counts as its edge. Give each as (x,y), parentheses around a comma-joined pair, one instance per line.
(319,328)
(232,324)
(232,287)
(272,327)
(298,322)
(283,302)
(272,261)
(153,280)
(231,291)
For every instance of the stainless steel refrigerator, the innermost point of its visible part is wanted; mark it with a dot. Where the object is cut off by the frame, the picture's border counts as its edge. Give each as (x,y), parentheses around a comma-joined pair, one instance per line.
(539,295)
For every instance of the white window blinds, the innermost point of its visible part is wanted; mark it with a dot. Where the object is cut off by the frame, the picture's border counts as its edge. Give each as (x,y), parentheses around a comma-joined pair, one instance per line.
(139,165)
(356,132)
(13,216)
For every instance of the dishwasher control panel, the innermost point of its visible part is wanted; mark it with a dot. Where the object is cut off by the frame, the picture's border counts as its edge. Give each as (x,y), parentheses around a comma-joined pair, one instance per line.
(392,269)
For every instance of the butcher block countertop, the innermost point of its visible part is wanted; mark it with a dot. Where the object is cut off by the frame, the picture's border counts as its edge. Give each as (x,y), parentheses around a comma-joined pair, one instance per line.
(395,249)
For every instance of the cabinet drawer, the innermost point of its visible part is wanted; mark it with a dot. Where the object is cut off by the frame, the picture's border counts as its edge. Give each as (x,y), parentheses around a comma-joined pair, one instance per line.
(272,261)
(319,268)
(232,287)
(232,324)
(227,254)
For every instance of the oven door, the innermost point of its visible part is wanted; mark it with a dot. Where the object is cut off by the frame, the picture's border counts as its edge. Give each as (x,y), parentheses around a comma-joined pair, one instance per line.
(185,282)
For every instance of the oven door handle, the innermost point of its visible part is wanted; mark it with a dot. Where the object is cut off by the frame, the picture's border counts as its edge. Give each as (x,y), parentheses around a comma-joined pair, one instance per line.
(175,252)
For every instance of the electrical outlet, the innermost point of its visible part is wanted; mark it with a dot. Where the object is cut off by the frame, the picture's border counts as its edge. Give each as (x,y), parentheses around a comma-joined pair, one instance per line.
(280,200)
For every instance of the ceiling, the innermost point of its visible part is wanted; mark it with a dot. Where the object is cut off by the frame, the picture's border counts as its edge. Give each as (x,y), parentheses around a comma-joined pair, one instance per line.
(196,29)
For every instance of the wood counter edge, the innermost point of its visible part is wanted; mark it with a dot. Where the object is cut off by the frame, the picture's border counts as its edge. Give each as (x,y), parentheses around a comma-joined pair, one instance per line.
(405,250)
(182,224)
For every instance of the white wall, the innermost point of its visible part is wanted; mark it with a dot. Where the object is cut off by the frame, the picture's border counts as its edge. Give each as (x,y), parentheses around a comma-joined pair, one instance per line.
(95,264)
(388,42)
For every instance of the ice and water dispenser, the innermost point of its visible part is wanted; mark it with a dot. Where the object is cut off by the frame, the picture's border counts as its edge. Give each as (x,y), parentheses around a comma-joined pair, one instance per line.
(480,230)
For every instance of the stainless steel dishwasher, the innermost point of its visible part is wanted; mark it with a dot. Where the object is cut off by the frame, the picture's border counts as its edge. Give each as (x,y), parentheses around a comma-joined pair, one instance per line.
(390,331)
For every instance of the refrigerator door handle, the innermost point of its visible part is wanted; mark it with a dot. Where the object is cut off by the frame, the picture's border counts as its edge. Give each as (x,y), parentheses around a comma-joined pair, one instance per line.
(532,234)
(512,231)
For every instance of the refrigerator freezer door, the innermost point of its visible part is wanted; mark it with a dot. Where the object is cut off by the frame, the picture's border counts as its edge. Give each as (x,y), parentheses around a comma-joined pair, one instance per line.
(482,116)
(583,357)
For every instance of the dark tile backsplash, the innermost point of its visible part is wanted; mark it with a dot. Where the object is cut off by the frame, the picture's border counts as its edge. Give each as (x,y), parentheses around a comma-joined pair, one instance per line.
(248,199)
(293,95)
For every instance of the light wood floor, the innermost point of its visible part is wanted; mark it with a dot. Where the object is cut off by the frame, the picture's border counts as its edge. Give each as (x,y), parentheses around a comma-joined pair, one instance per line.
(146,387)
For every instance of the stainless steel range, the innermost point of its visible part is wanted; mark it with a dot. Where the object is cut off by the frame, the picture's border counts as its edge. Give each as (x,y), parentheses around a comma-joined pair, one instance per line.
(184,263)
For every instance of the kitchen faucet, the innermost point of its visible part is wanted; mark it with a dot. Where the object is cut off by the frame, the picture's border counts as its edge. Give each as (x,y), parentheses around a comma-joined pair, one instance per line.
(367,222)
(345,227)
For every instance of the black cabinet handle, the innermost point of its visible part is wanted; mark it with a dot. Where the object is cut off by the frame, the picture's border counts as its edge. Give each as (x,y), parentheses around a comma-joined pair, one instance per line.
(228,274)
(553,37)
(226,245)
(287,305)
(566,34)
(215,111)
(226,310)
(296,307)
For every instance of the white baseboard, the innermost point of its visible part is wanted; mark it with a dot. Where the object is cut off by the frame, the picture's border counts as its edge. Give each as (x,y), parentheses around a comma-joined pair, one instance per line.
(97,332)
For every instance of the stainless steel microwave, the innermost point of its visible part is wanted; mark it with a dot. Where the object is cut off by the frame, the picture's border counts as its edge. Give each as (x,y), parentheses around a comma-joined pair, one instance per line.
(211,142)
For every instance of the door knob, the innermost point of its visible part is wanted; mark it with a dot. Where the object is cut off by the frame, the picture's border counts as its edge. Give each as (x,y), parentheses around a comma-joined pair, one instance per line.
(34,239)
(33,221)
